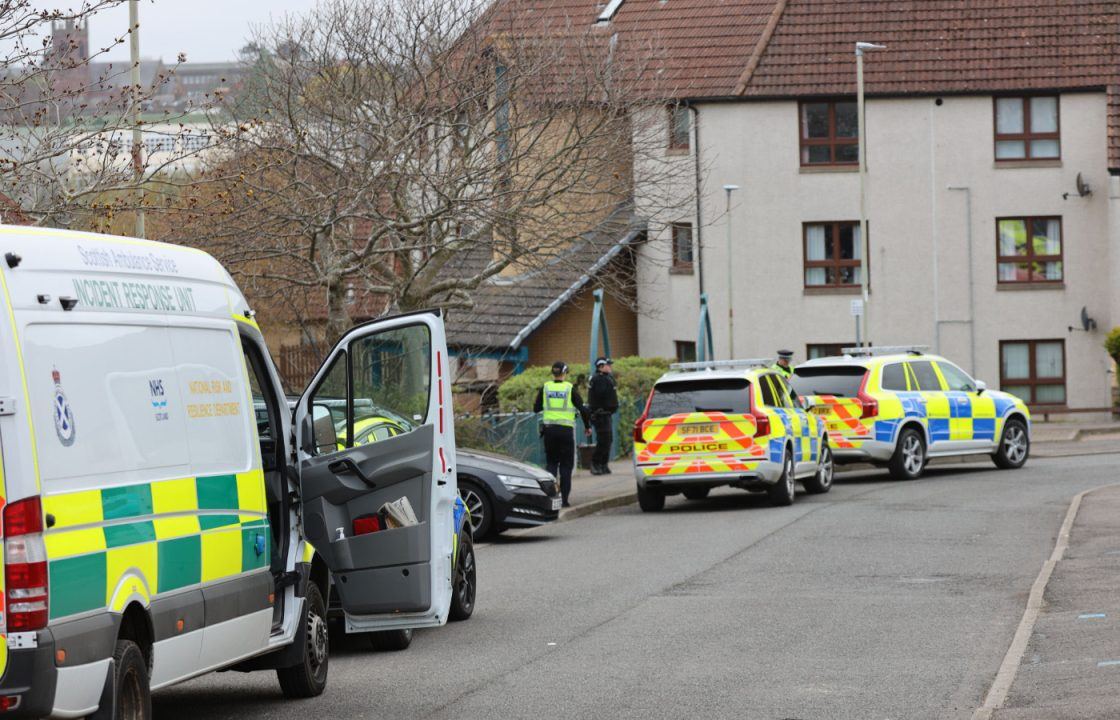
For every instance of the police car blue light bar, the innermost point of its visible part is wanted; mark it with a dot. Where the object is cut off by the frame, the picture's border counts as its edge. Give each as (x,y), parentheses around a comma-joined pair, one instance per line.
(885,350)
(723,364)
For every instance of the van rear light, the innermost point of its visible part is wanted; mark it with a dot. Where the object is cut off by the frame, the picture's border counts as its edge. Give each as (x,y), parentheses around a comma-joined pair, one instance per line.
(870,404)
(25,566)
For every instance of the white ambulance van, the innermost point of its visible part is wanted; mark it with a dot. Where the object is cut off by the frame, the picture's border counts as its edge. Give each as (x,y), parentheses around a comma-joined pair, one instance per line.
(156,524)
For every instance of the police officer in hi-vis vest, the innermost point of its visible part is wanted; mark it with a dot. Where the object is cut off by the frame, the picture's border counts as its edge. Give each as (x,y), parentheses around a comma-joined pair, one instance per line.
(557,403)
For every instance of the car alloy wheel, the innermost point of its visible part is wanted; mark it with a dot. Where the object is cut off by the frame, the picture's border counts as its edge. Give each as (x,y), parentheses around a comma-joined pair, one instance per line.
(825,468)
(1015,444)
(477,507)
(913,454)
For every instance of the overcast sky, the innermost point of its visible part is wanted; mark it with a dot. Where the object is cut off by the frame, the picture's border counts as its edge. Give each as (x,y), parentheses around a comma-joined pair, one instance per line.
(206,30)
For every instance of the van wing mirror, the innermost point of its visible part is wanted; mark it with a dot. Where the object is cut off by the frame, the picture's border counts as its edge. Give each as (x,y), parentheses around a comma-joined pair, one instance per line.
(322,430)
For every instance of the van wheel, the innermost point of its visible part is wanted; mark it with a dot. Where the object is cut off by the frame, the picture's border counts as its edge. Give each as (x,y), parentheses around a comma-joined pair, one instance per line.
(391,640)
(128,693)
(698,493)
(821,482)
(909,457)
(463,586)
(309,677)
(1014,446)
(650,500)
(784,491)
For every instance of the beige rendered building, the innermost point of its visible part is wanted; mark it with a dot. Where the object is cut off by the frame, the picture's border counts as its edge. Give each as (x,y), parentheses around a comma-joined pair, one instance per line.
(993,185)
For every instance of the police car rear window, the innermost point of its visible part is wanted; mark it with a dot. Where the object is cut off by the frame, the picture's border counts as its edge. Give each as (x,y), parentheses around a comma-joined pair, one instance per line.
(685,396)
(838,380)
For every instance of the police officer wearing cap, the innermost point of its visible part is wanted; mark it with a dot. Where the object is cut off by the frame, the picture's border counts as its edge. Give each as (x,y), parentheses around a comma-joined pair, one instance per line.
(558,403)
(783,365)
(602,398)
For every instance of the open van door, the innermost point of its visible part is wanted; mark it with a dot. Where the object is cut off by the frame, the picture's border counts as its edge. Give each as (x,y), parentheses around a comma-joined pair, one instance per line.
(379,511)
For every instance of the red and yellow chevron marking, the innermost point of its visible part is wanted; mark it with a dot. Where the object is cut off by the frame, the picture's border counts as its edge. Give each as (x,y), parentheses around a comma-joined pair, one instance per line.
(728,447)
(846,411)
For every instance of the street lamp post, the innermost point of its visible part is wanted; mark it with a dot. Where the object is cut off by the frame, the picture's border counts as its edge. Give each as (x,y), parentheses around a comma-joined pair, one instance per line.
(730,279)
(860,48)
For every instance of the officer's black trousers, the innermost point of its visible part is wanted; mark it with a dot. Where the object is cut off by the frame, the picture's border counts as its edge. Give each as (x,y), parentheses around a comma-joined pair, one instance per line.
(560,455)
(604,436)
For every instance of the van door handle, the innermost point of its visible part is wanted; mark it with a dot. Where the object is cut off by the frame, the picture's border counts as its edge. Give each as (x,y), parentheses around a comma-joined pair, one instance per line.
(346,466)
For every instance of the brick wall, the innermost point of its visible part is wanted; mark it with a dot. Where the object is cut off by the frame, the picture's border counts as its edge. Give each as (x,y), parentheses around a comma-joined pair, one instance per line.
(567,334)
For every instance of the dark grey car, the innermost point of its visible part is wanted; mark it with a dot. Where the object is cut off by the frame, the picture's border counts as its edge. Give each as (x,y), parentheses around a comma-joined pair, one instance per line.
(502,493)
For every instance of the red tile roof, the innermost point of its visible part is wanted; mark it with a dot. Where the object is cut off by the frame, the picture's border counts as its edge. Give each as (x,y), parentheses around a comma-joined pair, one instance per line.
(794,48)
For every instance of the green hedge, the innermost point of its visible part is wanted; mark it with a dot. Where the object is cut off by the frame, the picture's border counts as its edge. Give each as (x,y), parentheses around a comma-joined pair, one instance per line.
(1112,343)
(635,375)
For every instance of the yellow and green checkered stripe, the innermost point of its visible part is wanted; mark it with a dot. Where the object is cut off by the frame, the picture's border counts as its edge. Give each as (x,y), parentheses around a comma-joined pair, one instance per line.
(174,533)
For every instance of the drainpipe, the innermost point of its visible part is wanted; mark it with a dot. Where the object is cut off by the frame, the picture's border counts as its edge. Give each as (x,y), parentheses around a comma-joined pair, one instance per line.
(699,222)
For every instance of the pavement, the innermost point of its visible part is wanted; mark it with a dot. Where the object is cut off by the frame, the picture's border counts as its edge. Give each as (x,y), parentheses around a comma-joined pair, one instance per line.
(879,600)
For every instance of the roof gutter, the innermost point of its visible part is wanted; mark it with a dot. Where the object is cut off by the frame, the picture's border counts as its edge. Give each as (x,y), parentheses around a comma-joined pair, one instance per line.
(575,287)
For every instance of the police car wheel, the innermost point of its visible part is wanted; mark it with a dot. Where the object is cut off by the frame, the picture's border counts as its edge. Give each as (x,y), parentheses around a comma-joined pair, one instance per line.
(821,482)
(128,695)
(784,491)
(309,677)
(698,493)
(463,586)
(650,500)
(391,640)
(909,457)
(1014,446)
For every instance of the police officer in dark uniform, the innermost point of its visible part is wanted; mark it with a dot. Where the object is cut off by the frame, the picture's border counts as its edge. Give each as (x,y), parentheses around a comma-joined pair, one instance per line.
(558,403)
(602,398)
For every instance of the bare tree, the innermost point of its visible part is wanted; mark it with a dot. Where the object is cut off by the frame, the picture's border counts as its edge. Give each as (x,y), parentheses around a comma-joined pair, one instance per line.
(66,157)
(397,154)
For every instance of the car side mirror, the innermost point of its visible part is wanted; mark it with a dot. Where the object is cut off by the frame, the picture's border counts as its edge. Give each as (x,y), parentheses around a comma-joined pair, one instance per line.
(322,430)
(981,386)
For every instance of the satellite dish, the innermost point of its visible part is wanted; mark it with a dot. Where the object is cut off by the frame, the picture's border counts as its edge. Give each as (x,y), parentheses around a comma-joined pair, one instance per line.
(1083,188)
(1087,323)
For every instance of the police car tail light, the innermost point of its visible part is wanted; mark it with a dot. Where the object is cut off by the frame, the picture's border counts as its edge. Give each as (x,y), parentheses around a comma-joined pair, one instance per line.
(638,436)
(25,565)
(870,404)
(761,423)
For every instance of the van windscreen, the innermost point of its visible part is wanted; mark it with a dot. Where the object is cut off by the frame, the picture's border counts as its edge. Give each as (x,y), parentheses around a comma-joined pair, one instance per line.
(730,395)
(838,380)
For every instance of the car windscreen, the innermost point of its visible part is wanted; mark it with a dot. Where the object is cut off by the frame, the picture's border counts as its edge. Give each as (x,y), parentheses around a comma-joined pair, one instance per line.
(730,395)
(838,380)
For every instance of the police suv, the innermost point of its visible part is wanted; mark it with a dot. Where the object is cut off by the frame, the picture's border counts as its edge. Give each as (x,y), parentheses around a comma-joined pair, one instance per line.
(155,526)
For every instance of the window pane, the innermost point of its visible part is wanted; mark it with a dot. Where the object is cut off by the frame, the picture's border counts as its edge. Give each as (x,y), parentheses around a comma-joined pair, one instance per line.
(814,120)
(815,276)
(1008,272)
(814,242)
(847,120)
(1016,361)
(1011,150)
(1052,271)
(1023,392)
(392,370)
(925,375)
(328,409)
(768,397)
(816,154)
(857,249)
(1044,149)
(847,243)
(1047,235)
(1012,237)
(1050,394)
(1009,116)
(1048,360)
(856,274)
(956,378)
(1044,115)
(681,121)
(847,153)
(894,377)
(849,275)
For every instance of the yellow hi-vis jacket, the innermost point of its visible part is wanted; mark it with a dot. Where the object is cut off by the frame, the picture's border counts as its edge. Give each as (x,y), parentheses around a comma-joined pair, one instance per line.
(558,408)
